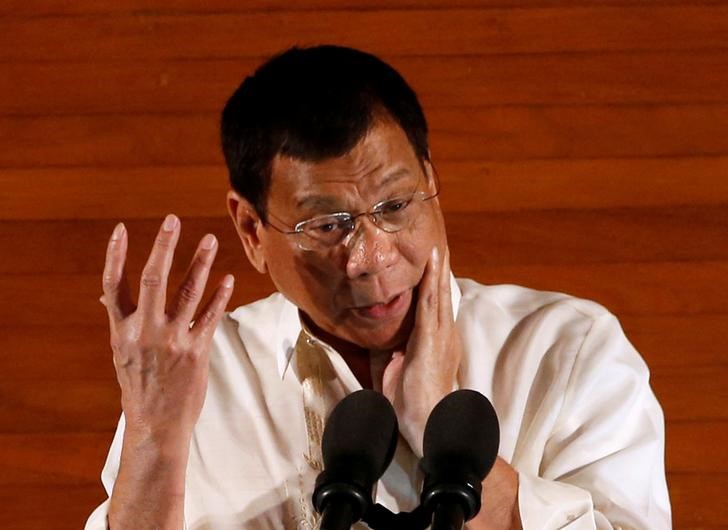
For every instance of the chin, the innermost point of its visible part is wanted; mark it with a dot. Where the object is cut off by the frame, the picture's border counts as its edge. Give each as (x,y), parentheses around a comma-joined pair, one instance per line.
(375,343)
(383,337)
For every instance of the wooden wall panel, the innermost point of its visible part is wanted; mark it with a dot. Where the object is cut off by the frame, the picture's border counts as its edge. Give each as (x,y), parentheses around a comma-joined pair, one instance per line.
(35,8)
(56,459)
(49,506)
(183,86)
(39,406)
(387,31)
(47,351)
(581,148)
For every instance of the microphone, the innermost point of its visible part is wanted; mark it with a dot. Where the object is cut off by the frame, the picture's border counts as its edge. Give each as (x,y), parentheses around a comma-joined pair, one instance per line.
(460,446)
(358,444)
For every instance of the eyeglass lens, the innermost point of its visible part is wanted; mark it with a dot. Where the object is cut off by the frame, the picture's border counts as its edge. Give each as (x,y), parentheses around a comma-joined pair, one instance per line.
(330,230)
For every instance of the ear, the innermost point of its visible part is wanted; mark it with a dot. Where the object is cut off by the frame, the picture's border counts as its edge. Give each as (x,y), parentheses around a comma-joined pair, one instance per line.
(248,224)
(431,176)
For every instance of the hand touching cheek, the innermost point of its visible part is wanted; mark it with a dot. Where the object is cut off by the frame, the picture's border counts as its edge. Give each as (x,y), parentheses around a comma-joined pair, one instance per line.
(416,379)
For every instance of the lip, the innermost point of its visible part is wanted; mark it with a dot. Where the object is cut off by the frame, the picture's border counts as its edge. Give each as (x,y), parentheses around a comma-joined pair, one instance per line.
(392,308)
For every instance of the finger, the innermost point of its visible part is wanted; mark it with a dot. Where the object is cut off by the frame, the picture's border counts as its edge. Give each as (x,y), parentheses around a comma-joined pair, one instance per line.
(188,296)
(205,324)
(153,288)
(445,312)
(114,281)
(427,302)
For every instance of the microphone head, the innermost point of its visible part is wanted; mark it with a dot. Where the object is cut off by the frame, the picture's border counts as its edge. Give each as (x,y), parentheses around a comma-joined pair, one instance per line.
(361,431)
(461,438)
(357,446)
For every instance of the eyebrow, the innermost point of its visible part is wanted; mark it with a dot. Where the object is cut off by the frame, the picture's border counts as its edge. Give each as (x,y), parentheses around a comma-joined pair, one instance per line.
(314,202)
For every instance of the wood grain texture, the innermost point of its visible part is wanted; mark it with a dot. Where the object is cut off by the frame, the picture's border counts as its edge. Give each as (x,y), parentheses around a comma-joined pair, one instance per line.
(34,407)
(386,32)
(679,340)
(183,86)
(697,500)
(35,8)
(55,459)
(692,393)
(684,455)
(51,352)
(44,507)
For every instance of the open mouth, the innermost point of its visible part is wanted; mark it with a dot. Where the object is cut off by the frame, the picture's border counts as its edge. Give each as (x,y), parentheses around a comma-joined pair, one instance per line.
(389,309)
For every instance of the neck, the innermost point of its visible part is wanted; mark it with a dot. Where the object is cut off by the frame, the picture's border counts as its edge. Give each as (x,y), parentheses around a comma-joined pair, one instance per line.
(366,365)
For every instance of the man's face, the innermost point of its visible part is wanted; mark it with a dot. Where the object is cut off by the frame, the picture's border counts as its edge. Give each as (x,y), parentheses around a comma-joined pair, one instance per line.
(362,290)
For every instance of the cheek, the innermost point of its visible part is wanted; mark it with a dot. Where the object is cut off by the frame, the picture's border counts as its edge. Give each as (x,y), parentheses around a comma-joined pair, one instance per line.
(416,244)
(308,281)
(415,250)
(283,267)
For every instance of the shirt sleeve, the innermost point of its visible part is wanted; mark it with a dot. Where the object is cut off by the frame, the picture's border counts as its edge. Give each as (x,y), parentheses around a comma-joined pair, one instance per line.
(98,518)
(603,464)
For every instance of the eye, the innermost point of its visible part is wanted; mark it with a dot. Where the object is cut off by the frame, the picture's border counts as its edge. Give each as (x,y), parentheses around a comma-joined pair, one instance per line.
(393,206)
(326,226)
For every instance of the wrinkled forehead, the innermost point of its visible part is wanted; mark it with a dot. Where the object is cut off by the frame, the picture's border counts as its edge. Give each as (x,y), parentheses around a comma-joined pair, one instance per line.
(382,163)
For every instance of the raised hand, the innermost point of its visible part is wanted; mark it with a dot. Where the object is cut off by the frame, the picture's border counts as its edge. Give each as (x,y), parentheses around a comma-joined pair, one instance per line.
(160,354)
(416,379)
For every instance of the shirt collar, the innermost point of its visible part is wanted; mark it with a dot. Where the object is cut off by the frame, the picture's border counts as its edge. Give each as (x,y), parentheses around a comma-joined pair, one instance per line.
(290,326)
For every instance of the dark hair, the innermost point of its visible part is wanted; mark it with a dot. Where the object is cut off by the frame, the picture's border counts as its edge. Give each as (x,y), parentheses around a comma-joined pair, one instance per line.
(312,104)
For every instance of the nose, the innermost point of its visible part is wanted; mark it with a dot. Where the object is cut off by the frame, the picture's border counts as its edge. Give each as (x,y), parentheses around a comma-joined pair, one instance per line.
(370,249)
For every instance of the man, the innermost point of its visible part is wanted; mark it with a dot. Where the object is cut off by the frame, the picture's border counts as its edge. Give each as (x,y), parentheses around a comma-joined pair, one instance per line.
(335,197)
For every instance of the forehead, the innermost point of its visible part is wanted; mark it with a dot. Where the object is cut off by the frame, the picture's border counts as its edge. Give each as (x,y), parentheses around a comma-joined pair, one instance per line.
(384,159)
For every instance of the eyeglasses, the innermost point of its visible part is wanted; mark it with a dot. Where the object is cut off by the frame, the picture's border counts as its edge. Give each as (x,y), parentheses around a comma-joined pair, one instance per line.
(326,231)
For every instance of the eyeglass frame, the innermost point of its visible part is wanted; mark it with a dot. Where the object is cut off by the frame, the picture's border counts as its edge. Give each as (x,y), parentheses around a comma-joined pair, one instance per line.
(371,213)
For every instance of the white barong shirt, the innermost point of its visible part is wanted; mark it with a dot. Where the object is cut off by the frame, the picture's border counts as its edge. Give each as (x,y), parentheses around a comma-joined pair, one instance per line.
(578,419)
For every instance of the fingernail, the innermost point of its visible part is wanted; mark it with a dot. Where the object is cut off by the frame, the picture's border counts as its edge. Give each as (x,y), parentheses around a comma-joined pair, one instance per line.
(208,242)
(435,253)
(170,222)
(118,232)
(228,281)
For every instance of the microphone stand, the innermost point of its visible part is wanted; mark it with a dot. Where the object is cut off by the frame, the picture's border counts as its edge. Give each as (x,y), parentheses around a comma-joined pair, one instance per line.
(380,518)
(448,516)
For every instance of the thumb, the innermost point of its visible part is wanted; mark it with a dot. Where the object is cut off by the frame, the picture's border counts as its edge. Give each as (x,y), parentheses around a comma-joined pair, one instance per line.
(392,376)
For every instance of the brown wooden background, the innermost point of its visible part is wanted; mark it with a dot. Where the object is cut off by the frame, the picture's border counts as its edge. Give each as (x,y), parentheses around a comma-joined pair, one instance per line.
(583,147)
